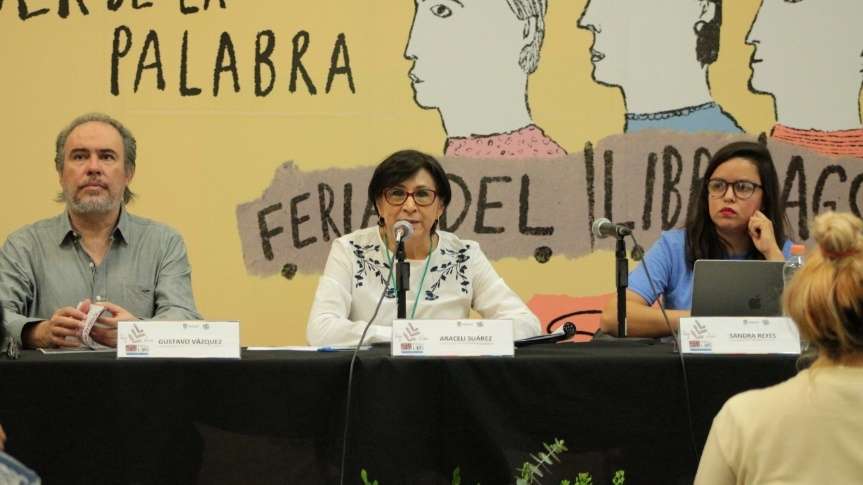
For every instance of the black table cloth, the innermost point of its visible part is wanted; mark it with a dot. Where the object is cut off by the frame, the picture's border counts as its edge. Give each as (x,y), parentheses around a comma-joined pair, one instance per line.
(278,416)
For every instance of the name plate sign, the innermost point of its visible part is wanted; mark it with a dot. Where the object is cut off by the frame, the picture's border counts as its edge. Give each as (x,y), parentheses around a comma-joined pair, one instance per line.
(178,340)
(739,335)
(445,338)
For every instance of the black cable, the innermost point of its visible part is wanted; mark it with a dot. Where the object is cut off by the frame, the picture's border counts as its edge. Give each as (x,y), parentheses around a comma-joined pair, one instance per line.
(351,377)
(568,330)
(638,255)
(573,314)
(674,336)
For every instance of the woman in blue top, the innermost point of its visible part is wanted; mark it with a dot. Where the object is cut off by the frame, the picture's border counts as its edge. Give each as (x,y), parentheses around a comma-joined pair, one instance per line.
(737,216)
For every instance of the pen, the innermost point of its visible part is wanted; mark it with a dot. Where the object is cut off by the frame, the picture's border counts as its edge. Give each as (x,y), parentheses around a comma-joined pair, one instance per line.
(340,348)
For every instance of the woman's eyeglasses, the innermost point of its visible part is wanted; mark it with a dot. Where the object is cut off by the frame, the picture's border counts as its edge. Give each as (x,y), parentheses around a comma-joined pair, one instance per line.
(398,196)
(743,189)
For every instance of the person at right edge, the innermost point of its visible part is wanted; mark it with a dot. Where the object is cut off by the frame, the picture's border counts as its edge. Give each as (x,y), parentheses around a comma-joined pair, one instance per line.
(808,428)
(737,215)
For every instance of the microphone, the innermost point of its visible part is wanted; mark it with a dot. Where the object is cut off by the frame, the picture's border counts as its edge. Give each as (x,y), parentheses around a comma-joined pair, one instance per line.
(568,330)
(603,228)
(403,230)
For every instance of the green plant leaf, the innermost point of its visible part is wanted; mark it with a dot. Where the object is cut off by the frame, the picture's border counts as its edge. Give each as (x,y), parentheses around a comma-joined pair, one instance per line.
(456,476)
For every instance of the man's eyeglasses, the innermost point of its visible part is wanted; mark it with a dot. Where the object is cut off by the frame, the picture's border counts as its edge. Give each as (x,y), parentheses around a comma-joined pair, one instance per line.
(743,189)
(398,196)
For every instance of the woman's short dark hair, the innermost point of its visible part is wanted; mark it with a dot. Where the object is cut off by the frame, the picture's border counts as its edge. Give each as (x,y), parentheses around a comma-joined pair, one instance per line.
(702,239)
(403,165)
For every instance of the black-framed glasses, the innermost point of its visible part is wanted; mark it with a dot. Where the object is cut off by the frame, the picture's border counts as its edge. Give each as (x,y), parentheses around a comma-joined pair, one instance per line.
(743,189)
(422,197)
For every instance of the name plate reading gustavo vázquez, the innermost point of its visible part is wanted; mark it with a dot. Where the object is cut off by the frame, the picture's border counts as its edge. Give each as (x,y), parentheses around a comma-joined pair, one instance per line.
(178,340)
(739,335)
(446,338)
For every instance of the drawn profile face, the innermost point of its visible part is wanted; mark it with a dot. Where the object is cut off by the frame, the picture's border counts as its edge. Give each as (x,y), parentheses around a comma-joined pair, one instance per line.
(806,45)
(638,42)
(463,49)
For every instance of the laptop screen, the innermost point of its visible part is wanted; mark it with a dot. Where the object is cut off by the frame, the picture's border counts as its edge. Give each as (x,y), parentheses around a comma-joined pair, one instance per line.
(737,288)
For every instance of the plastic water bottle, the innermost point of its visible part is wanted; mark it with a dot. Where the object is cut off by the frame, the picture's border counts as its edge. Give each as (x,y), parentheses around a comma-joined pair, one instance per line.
(793,263)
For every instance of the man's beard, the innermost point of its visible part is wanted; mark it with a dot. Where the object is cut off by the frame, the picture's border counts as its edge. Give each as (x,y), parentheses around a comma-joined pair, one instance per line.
(92,205)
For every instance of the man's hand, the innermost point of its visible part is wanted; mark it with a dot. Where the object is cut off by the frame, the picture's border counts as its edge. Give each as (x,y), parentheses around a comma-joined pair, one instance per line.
(2,438)
(106,332)
(66,322)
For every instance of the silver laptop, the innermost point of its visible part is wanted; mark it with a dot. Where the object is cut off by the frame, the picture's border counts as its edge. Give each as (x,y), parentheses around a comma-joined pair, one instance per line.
(737,288)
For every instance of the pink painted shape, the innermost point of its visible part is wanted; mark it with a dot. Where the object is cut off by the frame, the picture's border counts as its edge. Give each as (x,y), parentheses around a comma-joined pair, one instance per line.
(549,307)
(848,143)
(529,142)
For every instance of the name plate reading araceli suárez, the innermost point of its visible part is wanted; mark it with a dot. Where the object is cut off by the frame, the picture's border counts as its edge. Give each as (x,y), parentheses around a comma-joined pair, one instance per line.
(739,335)
(462,338)
(179,340)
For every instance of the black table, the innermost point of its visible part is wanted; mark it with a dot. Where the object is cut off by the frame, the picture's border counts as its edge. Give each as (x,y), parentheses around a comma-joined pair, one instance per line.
(277,417)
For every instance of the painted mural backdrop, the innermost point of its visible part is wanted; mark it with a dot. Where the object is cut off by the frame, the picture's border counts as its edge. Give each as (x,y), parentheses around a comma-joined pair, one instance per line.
(259,123)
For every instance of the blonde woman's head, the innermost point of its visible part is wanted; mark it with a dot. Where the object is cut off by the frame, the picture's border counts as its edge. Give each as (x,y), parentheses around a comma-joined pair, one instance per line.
(825,298)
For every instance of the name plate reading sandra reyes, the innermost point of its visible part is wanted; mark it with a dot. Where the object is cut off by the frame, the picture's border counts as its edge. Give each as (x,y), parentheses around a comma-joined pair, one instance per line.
(739,335)
(446,338)
(178,340)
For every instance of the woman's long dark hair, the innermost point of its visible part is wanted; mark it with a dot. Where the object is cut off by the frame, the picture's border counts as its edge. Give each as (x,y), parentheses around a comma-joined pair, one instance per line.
(702,240)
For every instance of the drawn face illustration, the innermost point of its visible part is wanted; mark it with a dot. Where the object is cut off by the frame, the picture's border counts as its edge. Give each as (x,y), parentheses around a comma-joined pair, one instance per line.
(637,42)
(806,45)
(463,49)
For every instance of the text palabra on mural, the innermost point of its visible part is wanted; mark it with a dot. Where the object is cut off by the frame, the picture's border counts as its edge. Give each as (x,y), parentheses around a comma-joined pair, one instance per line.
(264,59)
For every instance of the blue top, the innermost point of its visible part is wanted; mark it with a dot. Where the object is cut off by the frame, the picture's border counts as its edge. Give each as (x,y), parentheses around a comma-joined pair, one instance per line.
(705,117)
(12,471)
(666,260)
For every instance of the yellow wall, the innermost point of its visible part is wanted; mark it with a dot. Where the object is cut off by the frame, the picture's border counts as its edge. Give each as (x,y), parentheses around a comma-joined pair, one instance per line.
(201,157)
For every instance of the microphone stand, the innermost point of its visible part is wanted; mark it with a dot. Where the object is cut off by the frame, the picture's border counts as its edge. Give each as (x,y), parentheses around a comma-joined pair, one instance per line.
(403,279)
(621,269)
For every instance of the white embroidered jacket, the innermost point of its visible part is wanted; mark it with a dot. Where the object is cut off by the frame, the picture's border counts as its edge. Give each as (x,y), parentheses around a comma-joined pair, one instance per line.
(459,278)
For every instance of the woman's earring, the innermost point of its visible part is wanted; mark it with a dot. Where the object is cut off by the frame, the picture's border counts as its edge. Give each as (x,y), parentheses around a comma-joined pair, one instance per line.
(381,222)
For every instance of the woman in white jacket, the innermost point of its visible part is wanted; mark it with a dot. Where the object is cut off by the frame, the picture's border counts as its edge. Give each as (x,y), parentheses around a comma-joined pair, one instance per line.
(449,276)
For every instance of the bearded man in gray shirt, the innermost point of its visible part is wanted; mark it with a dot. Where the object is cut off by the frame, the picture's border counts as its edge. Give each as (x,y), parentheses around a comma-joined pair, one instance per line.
(95,251)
